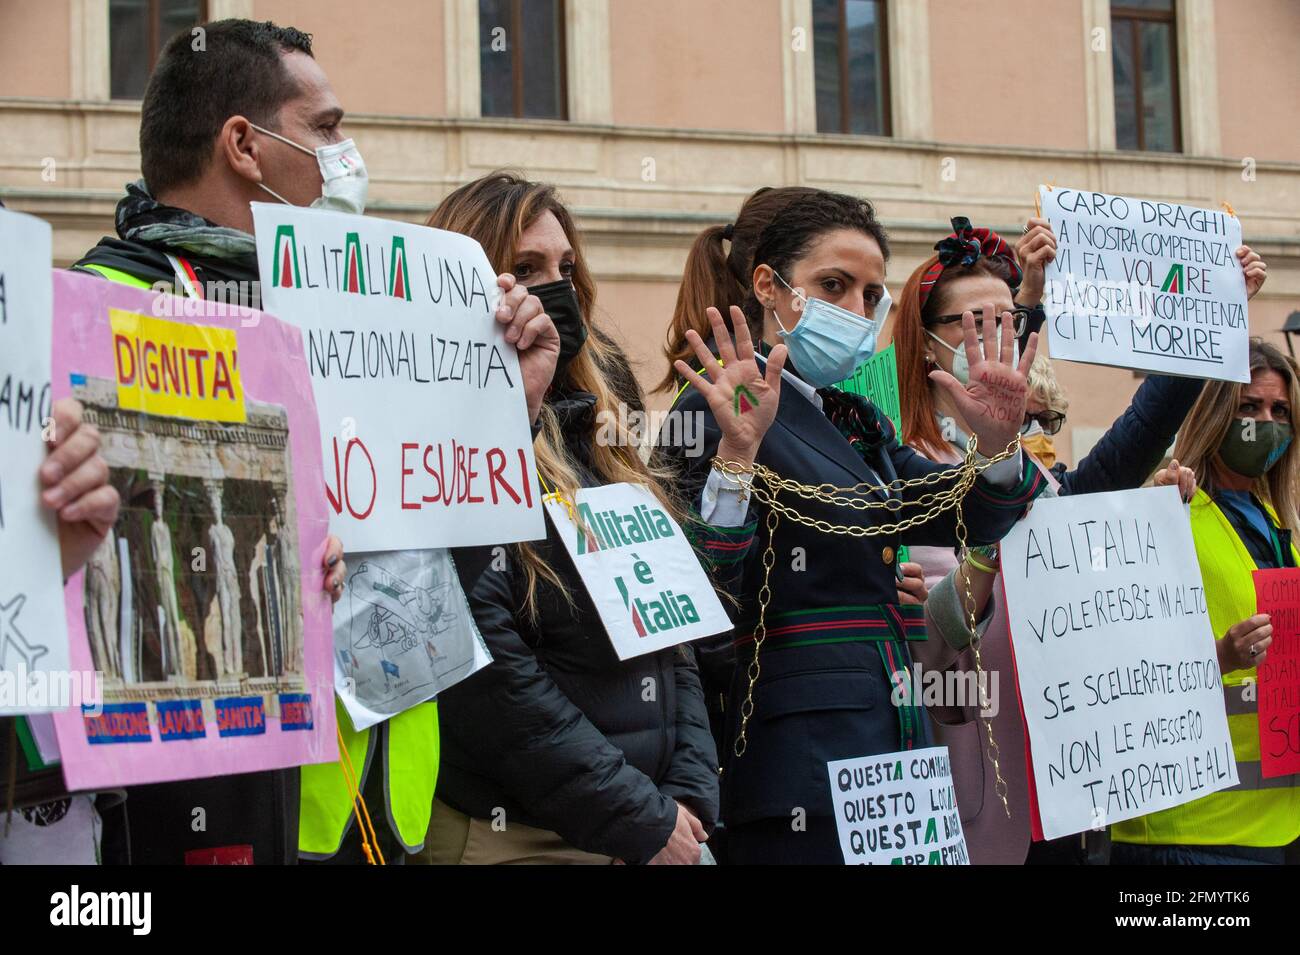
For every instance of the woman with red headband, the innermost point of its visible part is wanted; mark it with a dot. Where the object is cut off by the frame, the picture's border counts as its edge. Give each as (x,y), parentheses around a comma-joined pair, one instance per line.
(974,266)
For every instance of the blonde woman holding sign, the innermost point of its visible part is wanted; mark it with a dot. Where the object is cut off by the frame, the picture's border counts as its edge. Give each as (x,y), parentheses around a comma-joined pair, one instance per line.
(1238,439)
(562,750)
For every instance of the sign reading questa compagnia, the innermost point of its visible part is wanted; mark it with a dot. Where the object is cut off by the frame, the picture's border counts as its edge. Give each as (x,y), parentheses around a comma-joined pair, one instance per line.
(638,567)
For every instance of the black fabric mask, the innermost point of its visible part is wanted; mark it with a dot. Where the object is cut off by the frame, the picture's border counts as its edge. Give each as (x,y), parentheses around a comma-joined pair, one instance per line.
(560,301)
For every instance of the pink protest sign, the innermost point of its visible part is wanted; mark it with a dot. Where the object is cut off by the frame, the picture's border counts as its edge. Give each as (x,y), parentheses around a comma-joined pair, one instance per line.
(202,610)
(1277,593)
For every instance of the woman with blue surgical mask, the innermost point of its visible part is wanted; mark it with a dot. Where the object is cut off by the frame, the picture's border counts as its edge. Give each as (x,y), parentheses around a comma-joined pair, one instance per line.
(821,636)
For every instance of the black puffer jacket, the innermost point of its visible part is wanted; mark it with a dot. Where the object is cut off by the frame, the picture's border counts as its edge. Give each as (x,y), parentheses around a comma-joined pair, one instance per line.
(557,731)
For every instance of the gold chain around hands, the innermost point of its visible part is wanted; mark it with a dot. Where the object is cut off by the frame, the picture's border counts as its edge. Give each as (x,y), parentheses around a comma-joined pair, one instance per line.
(767,484)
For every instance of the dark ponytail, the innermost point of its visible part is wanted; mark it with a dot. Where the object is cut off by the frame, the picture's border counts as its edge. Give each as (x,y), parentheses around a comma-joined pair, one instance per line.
(718,270)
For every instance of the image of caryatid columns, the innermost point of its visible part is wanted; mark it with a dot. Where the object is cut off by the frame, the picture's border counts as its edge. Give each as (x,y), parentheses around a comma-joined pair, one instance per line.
(164,563)
(222,561)
(284,535)
(103,609)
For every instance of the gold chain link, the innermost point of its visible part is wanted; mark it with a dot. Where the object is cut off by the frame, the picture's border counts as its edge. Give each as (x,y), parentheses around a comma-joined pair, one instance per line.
(767,484)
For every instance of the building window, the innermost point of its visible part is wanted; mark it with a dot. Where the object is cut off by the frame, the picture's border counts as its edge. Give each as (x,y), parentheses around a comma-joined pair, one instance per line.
(1145,56)
(851,61)
(521,58)
(137,31)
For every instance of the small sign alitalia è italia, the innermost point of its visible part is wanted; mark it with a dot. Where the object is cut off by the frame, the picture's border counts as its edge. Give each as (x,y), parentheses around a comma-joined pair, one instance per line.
(638,567)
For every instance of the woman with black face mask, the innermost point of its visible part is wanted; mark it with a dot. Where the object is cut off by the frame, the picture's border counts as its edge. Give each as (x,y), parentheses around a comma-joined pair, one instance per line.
(559,751)
(1238,440)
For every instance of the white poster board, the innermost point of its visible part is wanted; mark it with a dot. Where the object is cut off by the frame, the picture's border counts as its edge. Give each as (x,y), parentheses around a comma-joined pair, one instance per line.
(1145,284)
(403,633)
(33,628)
(639,569)
(424,423)
(898,809)
(1115,658)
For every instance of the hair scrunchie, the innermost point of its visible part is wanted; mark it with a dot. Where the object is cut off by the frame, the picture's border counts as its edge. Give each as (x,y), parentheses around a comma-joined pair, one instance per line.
(729,231)
(964,247)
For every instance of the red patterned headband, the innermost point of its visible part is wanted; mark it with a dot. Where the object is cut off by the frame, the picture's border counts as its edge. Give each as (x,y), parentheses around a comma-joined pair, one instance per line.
(964,247)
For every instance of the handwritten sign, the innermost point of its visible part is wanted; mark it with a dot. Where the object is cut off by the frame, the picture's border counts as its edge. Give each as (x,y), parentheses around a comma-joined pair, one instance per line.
(424,423)
(1139,283)
(33,635)
(202,609)
(898,809)
(1277,593)
(1115,659)
(639,569)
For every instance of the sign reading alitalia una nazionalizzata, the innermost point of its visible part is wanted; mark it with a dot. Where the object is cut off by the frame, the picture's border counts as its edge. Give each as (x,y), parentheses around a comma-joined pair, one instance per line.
(638,567)
(424,424)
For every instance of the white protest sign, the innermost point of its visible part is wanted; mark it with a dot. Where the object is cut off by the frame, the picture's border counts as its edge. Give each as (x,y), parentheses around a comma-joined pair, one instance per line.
(403,633)
(33,627)
(898,809)
(639,569)
(1115,658)
(1144,284)
(424,424)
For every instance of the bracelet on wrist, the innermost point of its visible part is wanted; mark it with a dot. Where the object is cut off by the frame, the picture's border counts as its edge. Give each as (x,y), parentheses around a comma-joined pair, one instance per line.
(979,564)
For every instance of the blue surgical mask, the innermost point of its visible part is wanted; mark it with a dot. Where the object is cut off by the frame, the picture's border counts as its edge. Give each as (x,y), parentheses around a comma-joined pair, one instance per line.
(829,342)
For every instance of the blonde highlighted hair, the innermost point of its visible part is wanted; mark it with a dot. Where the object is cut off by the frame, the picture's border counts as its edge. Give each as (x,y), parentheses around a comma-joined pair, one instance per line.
(1214,413)
(496,210)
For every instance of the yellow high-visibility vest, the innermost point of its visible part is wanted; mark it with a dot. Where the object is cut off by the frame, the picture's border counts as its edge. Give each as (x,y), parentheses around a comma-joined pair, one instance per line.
(1258,811)
(407,744)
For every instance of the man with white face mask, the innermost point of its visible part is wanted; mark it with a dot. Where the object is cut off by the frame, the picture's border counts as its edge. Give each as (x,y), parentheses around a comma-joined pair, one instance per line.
(248,117)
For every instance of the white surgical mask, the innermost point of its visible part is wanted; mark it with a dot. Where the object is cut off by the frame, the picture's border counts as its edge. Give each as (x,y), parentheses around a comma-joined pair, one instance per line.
(960,366)
(344,182)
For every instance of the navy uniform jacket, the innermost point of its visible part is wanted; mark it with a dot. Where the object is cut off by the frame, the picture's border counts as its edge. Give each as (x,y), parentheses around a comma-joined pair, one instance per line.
(824,689)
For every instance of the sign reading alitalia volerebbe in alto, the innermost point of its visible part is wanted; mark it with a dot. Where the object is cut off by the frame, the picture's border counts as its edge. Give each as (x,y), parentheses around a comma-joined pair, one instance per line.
(639,568)
(424,424)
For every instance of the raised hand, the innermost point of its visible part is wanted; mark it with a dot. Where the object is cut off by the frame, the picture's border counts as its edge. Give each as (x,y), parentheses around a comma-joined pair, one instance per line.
(1035,249)
(993,402)
(742,398)
(1255,268)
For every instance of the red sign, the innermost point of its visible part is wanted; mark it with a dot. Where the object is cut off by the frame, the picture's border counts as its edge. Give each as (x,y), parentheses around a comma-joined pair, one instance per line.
(1277,593)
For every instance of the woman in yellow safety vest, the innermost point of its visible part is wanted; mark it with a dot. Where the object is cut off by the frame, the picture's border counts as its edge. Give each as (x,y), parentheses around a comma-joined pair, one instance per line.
(1238,439)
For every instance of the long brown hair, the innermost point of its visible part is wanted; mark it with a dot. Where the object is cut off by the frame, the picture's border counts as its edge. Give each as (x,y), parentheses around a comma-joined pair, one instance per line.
(719,276)
(1213,414)
(496,210)
(920,429)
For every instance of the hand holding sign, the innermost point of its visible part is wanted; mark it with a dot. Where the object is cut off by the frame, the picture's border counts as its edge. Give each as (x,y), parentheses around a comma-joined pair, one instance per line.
(1036,248)
(742,398)
(1246,644)
(1254,267)
(993,400)
(76,485)
(534,336)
